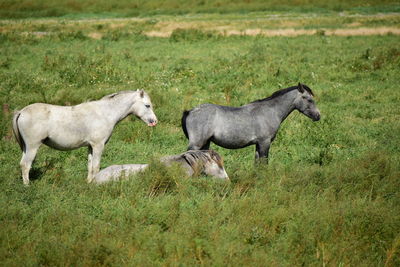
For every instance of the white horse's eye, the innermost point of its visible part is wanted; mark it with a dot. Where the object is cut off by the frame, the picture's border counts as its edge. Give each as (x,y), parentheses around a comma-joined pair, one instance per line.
(147,106)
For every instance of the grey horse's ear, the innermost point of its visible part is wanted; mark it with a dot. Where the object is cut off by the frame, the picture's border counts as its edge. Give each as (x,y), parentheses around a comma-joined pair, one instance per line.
(300,88)
(141,93)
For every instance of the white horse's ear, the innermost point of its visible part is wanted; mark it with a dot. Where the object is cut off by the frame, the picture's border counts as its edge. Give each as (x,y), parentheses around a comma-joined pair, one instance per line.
(141,93)
(300,88)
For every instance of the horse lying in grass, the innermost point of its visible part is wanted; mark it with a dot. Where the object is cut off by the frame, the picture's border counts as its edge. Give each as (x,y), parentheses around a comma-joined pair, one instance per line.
(69,127)
(253,124)
(206,162)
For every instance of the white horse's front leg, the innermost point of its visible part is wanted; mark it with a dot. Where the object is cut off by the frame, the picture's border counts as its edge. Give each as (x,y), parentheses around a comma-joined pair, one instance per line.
(94,161)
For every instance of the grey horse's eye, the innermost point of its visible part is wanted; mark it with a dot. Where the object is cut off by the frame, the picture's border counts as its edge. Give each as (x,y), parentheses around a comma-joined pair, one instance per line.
(147,106)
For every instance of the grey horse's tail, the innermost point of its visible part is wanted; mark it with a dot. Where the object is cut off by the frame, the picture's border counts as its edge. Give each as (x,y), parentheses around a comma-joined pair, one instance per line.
(16,132)
(184,116)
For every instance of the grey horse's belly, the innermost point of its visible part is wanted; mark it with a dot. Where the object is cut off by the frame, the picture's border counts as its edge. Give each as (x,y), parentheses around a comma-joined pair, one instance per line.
(234,133)
(230,141)
(231,144)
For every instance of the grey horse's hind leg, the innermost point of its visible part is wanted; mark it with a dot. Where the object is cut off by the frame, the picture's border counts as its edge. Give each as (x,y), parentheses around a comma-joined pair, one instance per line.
(206,146)
(26,161)
(198,144)
(193,147)
(262,151)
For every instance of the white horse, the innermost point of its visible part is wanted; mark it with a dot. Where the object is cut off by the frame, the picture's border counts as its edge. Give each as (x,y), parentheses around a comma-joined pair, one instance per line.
(193,162)
(69,127)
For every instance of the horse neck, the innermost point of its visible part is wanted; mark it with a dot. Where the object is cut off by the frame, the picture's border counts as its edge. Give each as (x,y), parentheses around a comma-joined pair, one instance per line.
(282,105)
(119,107)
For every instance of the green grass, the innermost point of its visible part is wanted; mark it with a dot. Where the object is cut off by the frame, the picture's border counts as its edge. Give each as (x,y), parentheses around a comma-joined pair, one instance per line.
(330,195)
(128,8)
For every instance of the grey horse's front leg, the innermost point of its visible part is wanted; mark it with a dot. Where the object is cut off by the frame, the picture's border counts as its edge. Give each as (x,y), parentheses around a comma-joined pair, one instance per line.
(262,151)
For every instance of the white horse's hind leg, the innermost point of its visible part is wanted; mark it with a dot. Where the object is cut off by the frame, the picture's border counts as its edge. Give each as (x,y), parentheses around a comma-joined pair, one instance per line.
(94,161)
(90,176)
(26,162)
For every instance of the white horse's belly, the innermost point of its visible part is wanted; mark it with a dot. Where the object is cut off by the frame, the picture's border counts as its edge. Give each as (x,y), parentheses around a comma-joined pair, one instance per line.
(64,144)
(66,136)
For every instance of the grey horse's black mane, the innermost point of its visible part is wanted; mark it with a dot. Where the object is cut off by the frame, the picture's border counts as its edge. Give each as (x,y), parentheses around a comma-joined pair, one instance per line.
(284,91)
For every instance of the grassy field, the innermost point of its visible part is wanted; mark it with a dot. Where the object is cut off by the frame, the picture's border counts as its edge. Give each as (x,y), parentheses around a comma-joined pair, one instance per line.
(129,8)
(329,197)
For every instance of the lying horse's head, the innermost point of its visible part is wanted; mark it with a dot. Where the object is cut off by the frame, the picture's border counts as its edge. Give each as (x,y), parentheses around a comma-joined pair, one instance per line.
(208,162)
(305,103)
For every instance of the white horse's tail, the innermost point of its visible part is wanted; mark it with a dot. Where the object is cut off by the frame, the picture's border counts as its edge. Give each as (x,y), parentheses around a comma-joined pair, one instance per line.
(16,132)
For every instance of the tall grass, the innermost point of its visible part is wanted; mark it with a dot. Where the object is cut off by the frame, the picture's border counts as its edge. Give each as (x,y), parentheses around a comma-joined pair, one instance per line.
(328,197)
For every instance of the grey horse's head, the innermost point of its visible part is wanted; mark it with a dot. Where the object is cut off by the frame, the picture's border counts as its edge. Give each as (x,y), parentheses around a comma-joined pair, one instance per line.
(305,103)
(208,162)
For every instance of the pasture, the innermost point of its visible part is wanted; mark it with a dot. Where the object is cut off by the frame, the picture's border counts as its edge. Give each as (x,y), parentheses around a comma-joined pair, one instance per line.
(329,196)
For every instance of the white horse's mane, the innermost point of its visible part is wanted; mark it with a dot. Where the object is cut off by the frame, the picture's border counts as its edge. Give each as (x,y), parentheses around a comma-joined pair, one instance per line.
(117,94)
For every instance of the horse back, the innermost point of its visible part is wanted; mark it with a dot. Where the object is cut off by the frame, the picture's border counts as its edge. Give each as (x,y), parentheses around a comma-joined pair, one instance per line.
(214,116)
(35,114)
(61,114)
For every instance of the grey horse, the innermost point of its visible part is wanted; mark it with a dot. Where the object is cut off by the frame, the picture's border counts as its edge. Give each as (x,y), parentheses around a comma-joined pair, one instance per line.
(196,162)
(253,124)
(69,127)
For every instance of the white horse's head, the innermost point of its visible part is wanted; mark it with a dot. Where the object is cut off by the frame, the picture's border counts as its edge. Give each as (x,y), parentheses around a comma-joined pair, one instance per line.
(143,108)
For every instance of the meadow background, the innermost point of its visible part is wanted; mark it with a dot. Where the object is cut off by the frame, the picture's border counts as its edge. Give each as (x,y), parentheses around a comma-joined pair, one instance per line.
(329,197)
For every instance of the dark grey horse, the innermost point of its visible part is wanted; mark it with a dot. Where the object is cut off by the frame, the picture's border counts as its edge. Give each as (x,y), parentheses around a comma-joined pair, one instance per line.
(253,124)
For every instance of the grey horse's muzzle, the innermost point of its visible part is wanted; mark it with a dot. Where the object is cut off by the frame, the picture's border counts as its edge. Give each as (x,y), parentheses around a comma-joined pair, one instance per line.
(315,115)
